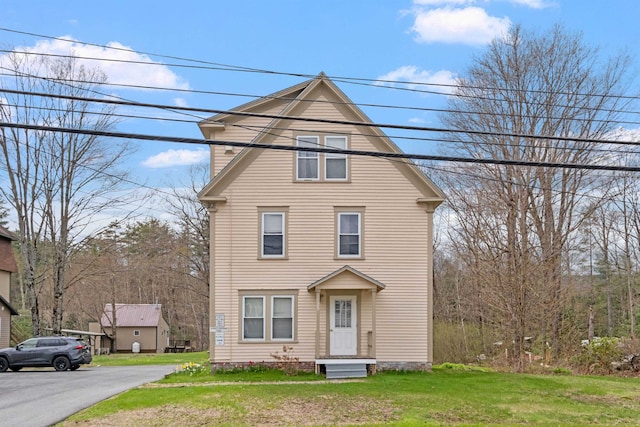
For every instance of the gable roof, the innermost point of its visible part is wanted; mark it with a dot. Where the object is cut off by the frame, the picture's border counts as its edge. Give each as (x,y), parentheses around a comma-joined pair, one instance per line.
(326,280)
(13,311)
(297,95)
(132,315)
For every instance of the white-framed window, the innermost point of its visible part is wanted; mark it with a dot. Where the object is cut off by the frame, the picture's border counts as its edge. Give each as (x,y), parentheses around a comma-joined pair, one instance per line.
(307,164)
(267,315)
(273,236)
(253,324)
(282,317)
(349,238)
(136,332)
(335,164)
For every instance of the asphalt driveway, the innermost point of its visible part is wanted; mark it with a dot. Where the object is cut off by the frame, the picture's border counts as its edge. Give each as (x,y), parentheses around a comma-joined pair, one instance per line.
(41,397)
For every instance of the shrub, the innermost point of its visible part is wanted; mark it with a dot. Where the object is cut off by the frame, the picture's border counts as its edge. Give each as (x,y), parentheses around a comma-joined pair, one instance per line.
(286,361)
(599,355)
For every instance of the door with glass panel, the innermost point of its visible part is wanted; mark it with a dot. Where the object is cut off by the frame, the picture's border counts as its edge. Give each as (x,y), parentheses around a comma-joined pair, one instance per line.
(343,328)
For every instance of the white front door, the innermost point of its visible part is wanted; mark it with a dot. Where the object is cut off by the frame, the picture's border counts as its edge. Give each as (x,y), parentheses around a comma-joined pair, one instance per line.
(343,330)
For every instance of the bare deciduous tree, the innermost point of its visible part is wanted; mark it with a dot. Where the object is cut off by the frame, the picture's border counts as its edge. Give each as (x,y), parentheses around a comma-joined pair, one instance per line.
(57,182)
(516,221)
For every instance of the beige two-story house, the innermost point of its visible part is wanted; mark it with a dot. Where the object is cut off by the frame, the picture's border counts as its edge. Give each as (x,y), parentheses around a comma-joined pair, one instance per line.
(326,252)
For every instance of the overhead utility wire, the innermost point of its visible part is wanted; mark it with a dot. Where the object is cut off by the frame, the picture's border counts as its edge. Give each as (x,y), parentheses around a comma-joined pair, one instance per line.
(239,68)
(378,154)
(257,129)
(349,81)
(320,120)
(283,98)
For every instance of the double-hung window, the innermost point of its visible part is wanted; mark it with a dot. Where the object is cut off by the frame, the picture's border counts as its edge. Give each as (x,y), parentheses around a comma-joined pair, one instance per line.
(335,163)
(349,234)
(308,161)
(273,237)
(281,317)
(268,315)
(322,166)
(253,317)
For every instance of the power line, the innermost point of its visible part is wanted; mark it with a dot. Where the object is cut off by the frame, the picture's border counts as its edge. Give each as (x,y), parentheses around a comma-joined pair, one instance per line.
(240,68)
(348,80)
(320,120)
(378,154)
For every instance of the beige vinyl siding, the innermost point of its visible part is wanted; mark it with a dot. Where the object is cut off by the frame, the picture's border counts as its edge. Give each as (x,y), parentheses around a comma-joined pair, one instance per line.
(395,241)
(395,254)
(221,155)
(5,326)
(5,281)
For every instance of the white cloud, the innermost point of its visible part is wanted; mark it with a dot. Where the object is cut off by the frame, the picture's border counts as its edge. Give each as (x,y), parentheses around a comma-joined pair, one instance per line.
(417,120)
(140,70)
(417,79)
(444,2)
(171,158)
(180,102)
(533,4)
(470,25)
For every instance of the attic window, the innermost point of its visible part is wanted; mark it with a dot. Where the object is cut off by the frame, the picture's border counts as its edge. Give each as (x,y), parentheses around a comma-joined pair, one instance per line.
(315,166)
(307,164)
(136,333)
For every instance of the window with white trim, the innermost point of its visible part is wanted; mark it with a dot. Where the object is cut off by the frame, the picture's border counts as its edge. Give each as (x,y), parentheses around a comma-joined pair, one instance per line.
(268,315)
(282,317)
(253,317)
(349,235)
(307,164)
(136,332)
(273,238)
(335,164)
(316,166)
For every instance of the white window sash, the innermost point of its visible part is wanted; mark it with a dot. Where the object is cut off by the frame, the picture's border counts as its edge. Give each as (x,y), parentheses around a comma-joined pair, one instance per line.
(336,142)
(267,232)
(342,233)
(282,316)
(306,160)
(246,317)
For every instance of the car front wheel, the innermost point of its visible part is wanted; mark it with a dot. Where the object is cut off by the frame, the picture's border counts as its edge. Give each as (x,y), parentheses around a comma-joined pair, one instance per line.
(61,363)
(4,364)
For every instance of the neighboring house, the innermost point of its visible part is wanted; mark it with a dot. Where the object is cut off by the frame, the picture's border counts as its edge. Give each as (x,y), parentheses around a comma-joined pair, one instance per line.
(327,253)
(134,323)
(7,266)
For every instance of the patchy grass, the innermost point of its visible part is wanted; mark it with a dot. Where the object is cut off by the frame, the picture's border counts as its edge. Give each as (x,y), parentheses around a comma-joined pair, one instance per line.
(132,359)
(447,396)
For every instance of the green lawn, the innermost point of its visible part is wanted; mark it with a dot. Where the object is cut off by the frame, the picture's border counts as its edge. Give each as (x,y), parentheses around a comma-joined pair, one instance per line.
(132,359)
(442,397)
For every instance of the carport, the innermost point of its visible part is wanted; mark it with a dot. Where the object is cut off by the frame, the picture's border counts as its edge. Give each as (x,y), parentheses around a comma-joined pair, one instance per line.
(89,337)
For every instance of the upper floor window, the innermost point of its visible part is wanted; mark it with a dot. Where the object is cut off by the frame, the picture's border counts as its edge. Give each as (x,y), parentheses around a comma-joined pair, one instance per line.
(308,162)
(314,166)
(335,163)
(349,234)
(273,232)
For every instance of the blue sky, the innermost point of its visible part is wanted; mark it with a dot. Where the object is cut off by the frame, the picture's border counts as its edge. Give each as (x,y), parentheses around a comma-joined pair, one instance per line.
(419,40)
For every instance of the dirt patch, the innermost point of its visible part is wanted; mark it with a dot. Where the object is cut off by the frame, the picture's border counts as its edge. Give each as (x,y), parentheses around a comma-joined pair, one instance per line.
(319,410)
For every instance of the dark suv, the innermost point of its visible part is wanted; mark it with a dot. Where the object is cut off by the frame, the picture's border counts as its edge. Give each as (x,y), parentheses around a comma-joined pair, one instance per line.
(60,352)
